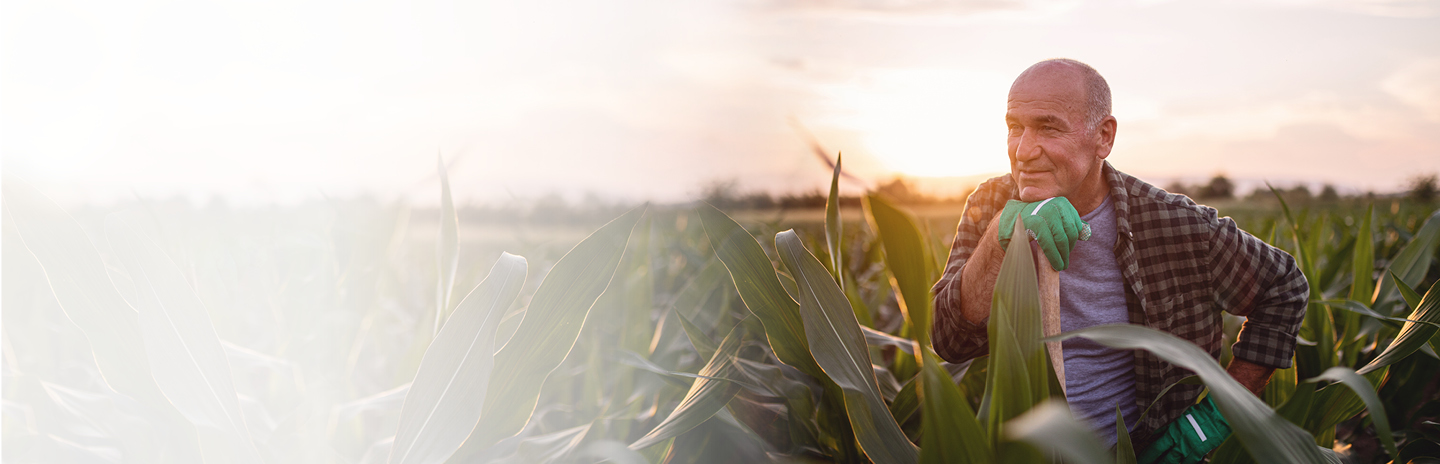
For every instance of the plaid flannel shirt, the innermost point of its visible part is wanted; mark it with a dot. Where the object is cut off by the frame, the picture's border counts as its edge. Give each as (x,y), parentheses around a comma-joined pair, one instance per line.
(1182,264)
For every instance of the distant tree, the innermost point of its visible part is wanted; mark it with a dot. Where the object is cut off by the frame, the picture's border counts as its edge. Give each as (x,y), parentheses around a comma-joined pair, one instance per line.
(811,199)
(1179,188)
(1300,193)
(721,192)
(1219,188)
(898,188)
(1328,194)
(1423,188)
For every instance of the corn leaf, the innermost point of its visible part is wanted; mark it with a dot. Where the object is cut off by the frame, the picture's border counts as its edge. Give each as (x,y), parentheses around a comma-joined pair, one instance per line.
(839,348)
(1124,449)
(906,256)
(880,339)
(1362,261)
(1051,428)
(706,396)
(1366,391)
(704,345)
(550,447)
(77,277)
(186,357)
(760,289)
(444,401)
(1412,335)
(447,248)
(1411,263)
(1017,365)
(832,226)
(1268,437)
(1360,309)
(548,331)
(907,401)
(950,431)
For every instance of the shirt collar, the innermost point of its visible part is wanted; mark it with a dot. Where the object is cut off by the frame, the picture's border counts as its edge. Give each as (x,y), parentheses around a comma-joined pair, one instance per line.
(1119,199)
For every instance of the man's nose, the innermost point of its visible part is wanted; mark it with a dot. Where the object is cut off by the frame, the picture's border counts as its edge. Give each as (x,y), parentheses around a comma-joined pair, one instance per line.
(1026,149)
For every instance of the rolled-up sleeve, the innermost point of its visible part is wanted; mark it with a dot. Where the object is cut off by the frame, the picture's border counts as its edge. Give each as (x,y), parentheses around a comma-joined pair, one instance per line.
(1264,284)
(956,339)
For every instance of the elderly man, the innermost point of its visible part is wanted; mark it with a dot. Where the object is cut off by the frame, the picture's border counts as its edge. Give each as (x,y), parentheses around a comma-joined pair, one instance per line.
(1156,259)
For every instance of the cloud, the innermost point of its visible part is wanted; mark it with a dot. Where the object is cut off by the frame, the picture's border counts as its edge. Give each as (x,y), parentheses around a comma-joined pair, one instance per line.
(1262,120)
(914,9)
(1385,8)
(1417,84)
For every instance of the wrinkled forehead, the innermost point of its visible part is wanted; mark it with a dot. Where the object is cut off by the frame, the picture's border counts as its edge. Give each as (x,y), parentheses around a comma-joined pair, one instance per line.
(1055,88)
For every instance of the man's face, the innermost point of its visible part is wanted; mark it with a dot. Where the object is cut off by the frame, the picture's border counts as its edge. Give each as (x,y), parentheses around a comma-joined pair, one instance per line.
(1052,153)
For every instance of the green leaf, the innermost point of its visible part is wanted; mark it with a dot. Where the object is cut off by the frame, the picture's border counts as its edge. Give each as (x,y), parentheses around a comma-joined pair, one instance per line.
(443,404)
(548,331)
(1413,261)
(1362,387)
(1407,293)
(550,447)
(880,339)
(950,431)
(1018,366)
(1050,427)
(839,348)
(907,401)
(1362,262)
(704,345)
(1412,335)
(912,271)
(832,225)
(77,276)
(447,248)
(1268,437)
(186,357)
(706,396)
(1124,449)
(760,289)
(1360,309)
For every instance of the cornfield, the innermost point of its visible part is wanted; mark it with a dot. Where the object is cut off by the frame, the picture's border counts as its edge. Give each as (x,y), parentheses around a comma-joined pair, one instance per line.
(671,335)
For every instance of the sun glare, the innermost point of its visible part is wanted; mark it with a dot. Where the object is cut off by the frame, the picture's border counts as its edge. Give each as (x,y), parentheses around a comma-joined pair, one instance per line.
(928,122)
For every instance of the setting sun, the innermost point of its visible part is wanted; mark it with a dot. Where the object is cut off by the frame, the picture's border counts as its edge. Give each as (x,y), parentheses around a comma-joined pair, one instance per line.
(927,122)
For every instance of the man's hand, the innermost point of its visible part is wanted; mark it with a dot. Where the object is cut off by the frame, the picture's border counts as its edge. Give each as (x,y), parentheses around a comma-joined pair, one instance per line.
(1053,222)
(1252,376)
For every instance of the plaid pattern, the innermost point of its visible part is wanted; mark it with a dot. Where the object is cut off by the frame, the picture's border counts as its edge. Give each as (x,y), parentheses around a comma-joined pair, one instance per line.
(1181,263)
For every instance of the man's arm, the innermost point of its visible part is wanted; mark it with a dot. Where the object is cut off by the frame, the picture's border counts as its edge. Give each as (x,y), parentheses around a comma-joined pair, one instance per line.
(1252,376)
(1264,284)
(977,279)
(960,335)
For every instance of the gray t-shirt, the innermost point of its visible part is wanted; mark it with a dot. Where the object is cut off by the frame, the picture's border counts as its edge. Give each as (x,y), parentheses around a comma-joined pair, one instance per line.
(1092,292)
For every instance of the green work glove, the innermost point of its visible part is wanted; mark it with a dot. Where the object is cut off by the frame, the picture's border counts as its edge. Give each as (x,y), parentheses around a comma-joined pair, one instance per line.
(1052,222)
(1188,438)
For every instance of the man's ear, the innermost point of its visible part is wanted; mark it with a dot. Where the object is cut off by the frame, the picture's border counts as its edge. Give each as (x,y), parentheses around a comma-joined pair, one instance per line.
(1105,137)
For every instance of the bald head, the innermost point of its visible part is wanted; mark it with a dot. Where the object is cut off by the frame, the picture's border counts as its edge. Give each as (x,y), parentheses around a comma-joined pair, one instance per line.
(1089,87)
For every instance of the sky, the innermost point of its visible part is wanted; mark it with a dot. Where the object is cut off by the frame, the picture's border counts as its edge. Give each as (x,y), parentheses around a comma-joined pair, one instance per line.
(633,100)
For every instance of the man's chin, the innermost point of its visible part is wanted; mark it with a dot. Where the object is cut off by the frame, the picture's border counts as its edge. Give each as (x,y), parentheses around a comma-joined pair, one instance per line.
(1030,194)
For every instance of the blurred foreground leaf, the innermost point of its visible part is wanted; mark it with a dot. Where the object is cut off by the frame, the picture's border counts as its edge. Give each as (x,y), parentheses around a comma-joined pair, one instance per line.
(1050,427)
(1268,437)
(444,402)
(950,431)
(187,359)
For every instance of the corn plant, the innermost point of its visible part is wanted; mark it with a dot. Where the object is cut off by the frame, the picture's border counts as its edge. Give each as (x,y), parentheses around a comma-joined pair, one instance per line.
(668,334)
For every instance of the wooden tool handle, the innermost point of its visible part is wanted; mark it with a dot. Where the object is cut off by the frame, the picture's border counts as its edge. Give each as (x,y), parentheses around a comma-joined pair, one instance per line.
(1049,280)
